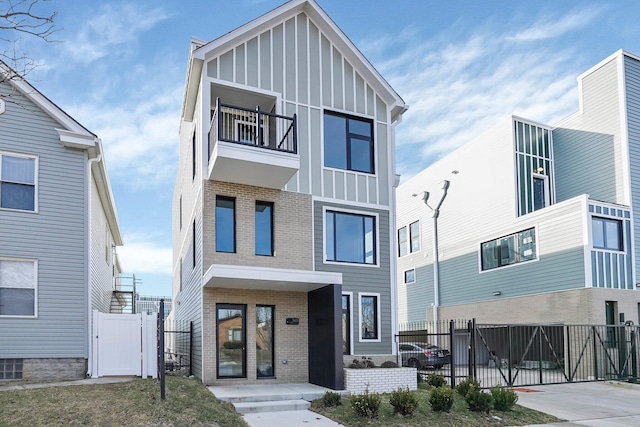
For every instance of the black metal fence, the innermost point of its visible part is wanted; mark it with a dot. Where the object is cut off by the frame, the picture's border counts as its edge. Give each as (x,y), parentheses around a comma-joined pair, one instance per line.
(520,355)
(178,347)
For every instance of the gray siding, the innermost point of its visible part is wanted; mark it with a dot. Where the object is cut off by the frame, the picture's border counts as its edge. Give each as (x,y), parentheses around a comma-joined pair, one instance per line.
(55,236)
(362,279)
(632,86)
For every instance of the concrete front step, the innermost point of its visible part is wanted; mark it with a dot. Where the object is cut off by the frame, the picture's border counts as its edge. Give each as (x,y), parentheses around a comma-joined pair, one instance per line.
(271,406)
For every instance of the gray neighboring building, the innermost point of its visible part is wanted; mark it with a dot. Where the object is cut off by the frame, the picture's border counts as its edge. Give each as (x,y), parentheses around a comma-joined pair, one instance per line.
(540,224)
(283,209)
(151,304)
(58,236)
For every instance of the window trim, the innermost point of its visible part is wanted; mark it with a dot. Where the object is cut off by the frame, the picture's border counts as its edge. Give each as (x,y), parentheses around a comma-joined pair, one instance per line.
(36,167)
(410,238)
(376,217)
(35,289)
(406,242)
(621,233)
(272,225)
(373,144)
(414,276)
(501,268)
(350,295)
(194,156)
(378,323)
(235,237)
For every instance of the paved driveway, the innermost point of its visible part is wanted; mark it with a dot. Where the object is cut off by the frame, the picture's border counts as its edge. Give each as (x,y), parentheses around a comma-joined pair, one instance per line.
(596,404)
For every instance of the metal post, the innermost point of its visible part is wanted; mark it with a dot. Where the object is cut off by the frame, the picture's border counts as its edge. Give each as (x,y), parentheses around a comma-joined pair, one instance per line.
(161,350)
(540,354)
(453,353)
(567,364)
(509,356)
(191,348)
(595,354)
(634,357)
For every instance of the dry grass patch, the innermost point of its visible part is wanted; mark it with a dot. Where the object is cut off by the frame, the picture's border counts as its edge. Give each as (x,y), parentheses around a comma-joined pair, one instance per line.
(134,403)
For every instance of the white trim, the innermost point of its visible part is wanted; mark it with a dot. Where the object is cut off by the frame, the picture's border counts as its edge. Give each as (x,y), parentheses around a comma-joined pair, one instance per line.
(378,317)
(354,212)
(2,106)
(350,295)
(586,239)
(36,167)
(35,287)
(351,204)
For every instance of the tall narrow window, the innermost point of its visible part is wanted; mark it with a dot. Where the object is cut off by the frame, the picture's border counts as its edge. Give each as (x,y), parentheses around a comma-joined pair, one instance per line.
(350,238)
(17,182)
(348,143)
(610,316)
(265,341)
(181,212)
(403,245)
(225,224)
(264,228)
(193,156)
(193,243)
(369,322)
(18,280)
(414,233)
(540,191)
(346,324)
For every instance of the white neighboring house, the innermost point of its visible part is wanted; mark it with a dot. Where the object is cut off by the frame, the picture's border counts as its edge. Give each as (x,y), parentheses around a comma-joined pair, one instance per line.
(540,223)
(59,232)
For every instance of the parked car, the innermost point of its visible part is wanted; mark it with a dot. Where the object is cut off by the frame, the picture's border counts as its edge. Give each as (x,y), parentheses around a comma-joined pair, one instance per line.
(421,355)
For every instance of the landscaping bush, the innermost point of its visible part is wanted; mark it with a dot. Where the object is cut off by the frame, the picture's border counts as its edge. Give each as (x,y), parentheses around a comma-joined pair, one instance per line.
(478,401)
(389,364)
(331,399)
(466,384)
(403,401)
(366,404)
(362,364)
(503,398)
(436,380)
(441,399)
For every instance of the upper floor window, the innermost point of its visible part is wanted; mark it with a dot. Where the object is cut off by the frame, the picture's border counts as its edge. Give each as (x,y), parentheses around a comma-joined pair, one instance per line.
(403,243)
(350,238)
(607,233)
(414,234)
(193,156)
(348,143)
(18,182)
(507,250)
(409,243)
(18,280)
(225,224)
(264,228)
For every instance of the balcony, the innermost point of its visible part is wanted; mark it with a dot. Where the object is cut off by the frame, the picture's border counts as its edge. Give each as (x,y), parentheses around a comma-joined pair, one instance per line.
(252,147)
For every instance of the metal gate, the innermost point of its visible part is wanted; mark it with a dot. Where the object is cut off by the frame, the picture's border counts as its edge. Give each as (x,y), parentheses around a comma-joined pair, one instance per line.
(522,355)
(124,344)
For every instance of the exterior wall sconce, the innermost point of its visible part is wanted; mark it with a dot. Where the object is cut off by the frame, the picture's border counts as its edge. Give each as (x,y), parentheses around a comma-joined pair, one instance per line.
(497,293)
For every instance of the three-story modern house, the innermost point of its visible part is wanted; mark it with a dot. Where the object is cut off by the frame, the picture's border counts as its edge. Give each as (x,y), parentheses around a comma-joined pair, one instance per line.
(283,210)
(58,236)
(539,224)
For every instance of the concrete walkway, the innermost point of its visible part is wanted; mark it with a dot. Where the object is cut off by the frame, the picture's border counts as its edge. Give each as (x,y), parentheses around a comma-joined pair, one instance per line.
(596,404)
(88,381)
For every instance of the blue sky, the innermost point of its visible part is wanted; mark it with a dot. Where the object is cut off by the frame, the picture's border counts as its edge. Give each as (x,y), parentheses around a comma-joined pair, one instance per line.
(460,65)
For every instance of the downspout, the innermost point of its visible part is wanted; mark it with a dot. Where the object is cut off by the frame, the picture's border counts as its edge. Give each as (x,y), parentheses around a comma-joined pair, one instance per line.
(90,161)
(436,260)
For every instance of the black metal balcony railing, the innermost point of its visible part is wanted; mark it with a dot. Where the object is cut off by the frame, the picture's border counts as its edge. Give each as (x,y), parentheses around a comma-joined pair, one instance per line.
(240,126)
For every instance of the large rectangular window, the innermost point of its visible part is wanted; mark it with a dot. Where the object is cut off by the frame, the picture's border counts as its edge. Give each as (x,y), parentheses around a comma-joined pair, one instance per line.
(264,228)
(403,243)
(18,280)
(348,143)
(225,224)
(507,250)
(414,234)
(607,233)
(369,321)
(18,182)
(350,238)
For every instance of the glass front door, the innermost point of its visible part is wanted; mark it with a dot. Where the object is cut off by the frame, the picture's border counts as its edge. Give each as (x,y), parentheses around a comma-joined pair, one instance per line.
(232,340)
(264,341)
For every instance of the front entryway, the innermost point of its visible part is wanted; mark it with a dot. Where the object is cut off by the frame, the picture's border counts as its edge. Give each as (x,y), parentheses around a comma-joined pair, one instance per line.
(231,324)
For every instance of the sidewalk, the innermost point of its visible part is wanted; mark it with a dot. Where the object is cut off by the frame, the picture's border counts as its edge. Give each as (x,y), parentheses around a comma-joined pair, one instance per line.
(88,381)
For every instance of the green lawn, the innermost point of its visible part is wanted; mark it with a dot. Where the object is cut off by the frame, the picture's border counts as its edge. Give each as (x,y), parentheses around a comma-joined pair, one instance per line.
(424,416)
(134,403)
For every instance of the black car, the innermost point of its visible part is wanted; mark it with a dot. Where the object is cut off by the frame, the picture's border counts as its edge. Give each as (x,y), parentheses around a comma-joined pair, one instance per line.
(421,355)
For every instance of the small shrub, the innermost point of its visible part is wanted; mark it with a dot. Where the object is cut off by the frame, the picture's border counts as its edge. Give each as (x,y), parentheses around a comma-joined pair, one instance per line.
(436,380)
(441,399)
(503,398)
(465,385)
(389,364)
(478,401)
(362,364)
(331,399)
(369,363)
(366,404)
(403,401)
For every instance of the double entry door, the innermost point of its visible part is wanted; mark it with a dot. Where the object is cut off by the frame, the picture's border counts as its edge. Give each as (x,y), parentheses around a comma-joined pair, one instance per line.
(232,347)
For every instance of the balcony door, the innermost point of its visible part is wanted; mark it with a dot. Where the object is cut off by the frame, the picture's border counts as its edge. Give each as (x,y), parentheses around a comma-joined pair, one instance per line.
(231,323)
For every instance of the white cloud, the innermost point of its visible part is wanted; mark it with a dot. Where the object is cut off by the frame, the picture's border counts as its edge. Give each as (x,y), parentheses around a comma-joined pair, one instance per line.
(142,256)
(549,27)
(112,27)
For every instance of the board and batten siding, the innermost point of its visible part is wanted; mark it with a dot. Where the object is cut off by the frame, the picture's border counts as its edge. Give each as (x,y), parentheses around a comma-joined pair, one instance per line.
(588,147)
(632,87)
(55,236)
(366,279)
(297,61)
